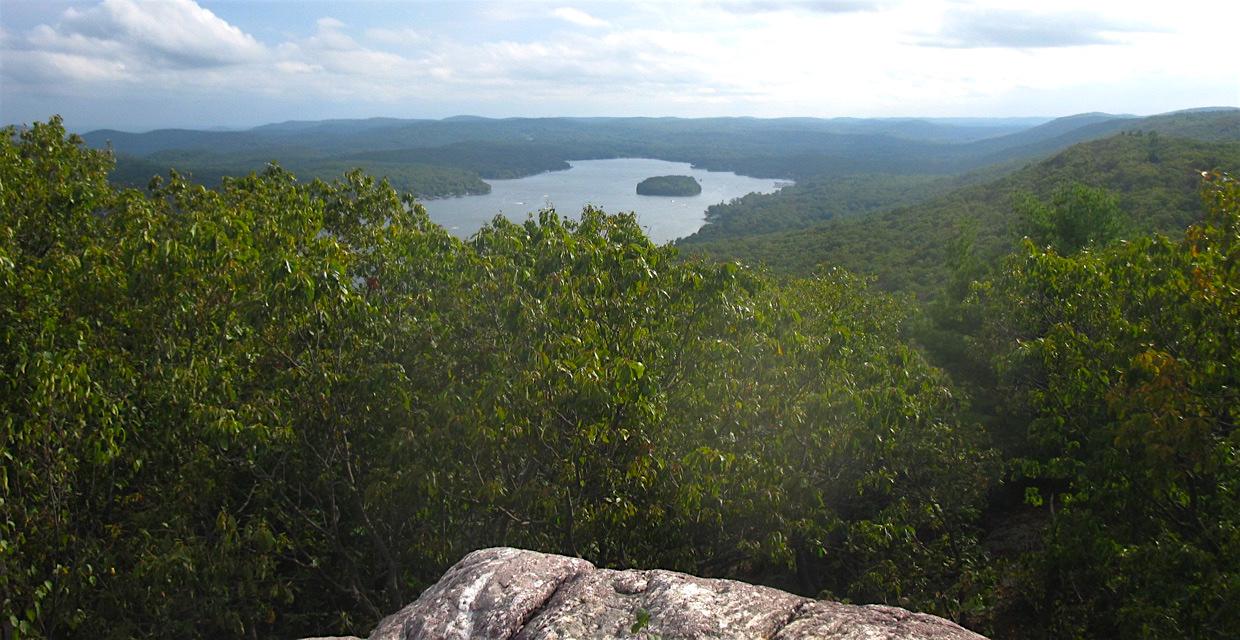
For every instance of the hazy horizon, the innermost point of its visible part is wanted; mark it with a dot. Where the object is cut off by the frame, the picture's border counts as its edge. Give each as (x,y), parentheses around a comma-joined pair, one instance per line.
(137,65)
(998,122)
(995,121)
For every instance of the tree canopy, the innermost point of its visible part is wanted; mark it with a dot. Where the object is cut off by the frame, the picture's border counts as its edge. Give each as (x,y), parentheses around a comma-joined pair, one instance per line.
(280,408)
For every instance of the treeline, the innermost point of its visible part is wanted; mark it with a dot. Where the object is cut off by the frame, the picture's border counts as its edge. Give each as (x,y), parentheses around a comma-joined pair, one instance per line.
(812,201)
(422,179)
(490,160)
(1104,367)
(281,408)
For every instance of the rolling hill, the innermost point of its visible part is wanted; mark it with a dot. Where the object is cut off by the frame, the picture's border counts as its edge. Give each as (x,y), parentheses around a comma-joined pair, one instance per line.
(1157,178)
(824,197)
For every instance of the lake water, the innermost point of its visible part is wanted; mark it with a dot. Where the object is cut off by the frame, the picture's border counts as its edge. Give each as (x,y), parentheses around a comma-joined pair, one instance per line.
(608,184)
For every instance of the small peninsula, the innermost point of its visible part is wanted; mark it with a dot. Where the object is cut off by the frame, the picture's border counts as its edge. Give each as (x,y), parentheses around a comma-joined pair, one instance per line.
(669,186)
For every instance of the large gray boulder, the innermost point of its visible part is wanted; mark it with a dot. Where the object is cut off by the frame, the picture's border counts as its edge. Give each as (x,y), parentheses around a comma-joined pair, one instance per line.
(524,595)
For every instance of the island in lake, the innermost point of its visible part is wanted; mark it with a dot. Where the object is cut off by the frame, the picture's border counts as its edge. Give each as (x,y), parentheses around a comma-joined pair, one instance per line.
(669,186)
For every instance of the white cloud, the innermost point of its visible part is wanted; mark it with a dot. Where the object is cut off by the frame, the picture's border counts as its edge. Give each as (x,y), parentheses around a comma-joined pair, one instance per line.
(1020,29)
(579,17)
(330,37)
(695,57)
(820,6)
(297,67)
(399,36)
(172,31)
(34,67)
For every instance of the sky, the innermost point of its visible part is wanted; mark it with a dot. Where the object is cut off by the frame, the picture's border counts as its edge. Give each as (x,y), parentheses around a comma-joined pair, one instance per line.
(138,65)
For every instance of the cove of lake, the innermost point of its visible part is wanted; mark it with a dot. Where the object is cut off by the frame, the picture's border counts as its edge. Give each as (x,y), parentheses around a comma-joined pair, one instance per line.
(608,184)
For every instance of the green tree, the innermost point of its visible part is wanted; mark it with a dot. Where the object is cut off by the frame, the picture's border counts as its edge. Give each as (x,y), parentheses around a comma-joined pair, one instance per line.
(1122,363)
(1077,217)
(281,408)
(183,373)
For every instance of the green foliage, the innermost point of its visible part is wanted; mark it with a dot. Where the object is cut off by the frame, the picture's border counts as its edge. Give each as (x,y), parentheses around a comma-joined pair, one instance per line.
(50,193)
(1077,217)
(906,248)
(811,201)
(1120,365)
(171,367)
(281,408)
(642,621)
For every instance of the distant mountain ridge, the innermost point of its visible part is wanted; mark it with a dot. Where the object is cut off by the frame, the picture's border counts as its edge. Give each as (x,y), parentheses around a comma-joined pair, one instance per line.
(391,133)
(796,148)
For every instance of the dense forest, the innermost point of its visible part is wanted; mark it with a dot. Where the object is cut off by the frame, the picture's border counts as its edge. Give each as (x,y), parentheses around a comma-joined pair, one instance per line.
(282,407)
(422,179)
(1155,177)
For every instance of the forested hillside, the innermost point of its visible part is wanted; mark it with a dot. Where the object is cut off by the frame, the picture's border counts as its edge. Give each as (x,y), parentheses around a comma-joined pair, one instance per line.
(282,407)
(1155,178)
(208,168)
(811,201)
(821,197)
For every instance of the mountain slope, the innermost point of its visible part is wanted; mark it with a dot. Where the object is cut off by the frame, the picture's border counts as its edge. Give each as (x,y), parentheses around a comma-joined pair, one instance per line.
(1156,177)
(831,196)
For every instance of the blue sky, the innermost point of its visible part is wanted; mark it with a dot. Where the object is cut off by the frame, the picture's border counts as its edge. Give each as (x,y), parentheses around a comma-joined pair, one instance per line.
(139,64)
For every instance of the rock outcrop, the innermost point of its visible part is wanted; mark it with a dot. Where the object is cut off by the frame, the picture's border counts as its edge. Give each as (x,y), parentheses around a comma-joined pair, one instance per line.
(525,595)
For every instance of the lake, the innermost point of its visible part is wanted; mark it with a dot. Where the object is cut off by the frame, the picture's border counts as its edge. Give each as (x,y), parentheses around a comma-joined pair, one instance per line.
(608,184)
